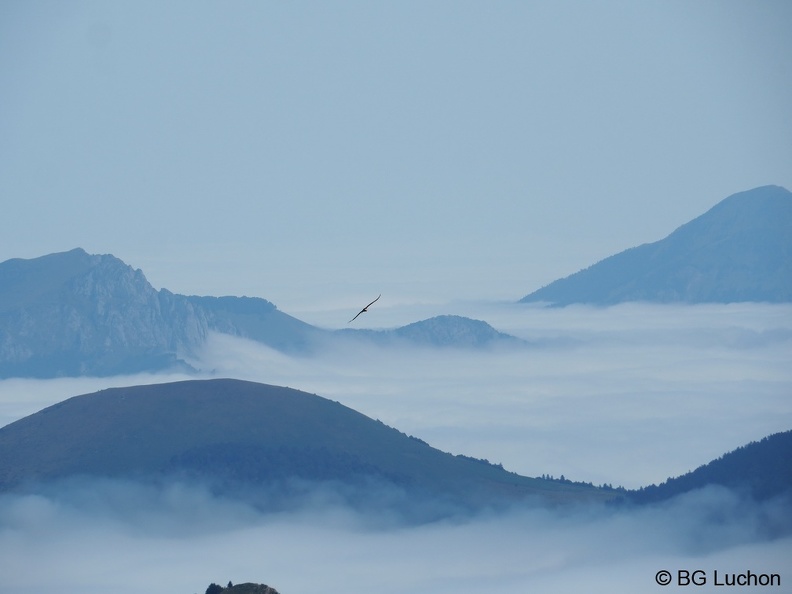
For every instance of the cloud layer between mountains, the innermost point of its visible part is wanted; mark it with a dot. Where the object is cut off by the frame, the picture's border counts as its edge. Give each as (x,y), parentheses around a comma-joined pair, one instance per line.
(626,395)
(125,538)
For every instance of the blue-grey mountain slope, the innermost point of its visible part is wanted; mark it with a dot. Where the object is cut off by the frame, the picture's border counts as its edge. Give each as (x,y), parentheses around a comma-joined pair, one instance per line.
(739,250)
(440,331)
(73,313)
(259,320)
(243,438)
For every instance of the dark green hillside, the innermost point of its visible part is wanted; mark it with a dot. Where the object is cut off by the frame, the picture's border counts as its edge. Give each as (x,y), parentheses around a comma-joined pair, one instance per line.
(234,433)
(761,469)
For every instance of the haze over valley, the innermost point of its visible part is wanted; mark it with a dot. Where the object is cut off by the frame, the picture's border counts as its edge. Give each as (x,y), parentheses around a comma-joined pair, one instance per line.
(572,226)
(628,396)
(548,402)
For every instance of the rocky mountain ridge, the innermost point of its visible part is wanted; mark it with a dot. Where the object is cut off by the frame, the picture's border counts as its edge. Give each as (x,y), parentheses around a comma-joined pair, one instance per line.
(80,314)
(74,313)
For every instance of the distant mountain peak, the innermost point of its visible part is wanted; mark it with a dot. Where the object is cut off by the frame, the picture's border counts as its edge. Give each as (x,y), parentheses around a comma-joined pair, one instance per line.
(739,250)
(451,330)
(73,313)
(439,331)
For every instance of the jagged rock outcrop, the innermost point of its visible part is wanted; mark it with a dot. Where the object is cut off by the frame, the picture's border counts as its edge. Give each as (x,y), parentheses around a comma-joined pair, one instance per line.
(73,313)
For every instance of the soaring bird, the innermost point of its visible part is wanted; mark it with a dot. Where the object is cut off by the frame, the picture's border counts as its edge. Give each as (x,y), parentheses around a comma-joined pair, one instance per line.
(364,309)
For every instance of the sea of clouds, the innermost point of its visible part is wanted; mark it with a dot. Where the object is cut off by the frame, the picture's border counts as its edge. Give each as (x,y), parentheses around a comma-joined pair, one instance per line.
(626,395)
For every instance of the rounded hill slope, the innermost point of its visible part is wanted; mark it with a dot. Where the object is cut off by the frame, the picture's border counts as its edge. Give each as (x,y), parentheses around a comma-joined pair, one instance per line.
(233,434)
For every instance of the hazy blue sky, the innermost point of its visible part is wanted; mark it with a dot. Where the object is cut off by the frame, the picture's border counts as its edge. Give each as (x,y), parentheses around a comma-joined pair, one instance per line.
(317,154)
(320,153)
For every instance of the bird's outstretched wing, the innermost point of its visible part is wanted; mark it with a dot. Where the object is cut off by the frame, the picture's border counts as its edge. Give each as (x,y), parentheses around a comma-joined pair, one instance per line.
(365,309)
(372,303)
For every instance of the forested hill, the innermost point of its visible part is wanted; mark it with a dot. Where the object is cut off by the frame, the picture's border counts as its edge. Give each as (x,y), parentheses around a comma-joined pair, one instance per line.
(762,469)
(244,437)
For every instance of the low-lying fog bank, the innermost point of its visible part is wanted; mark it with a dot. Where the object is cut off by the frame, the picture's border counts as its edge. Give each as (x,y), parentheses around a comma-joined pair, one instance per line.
(125,538)
(627,395)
